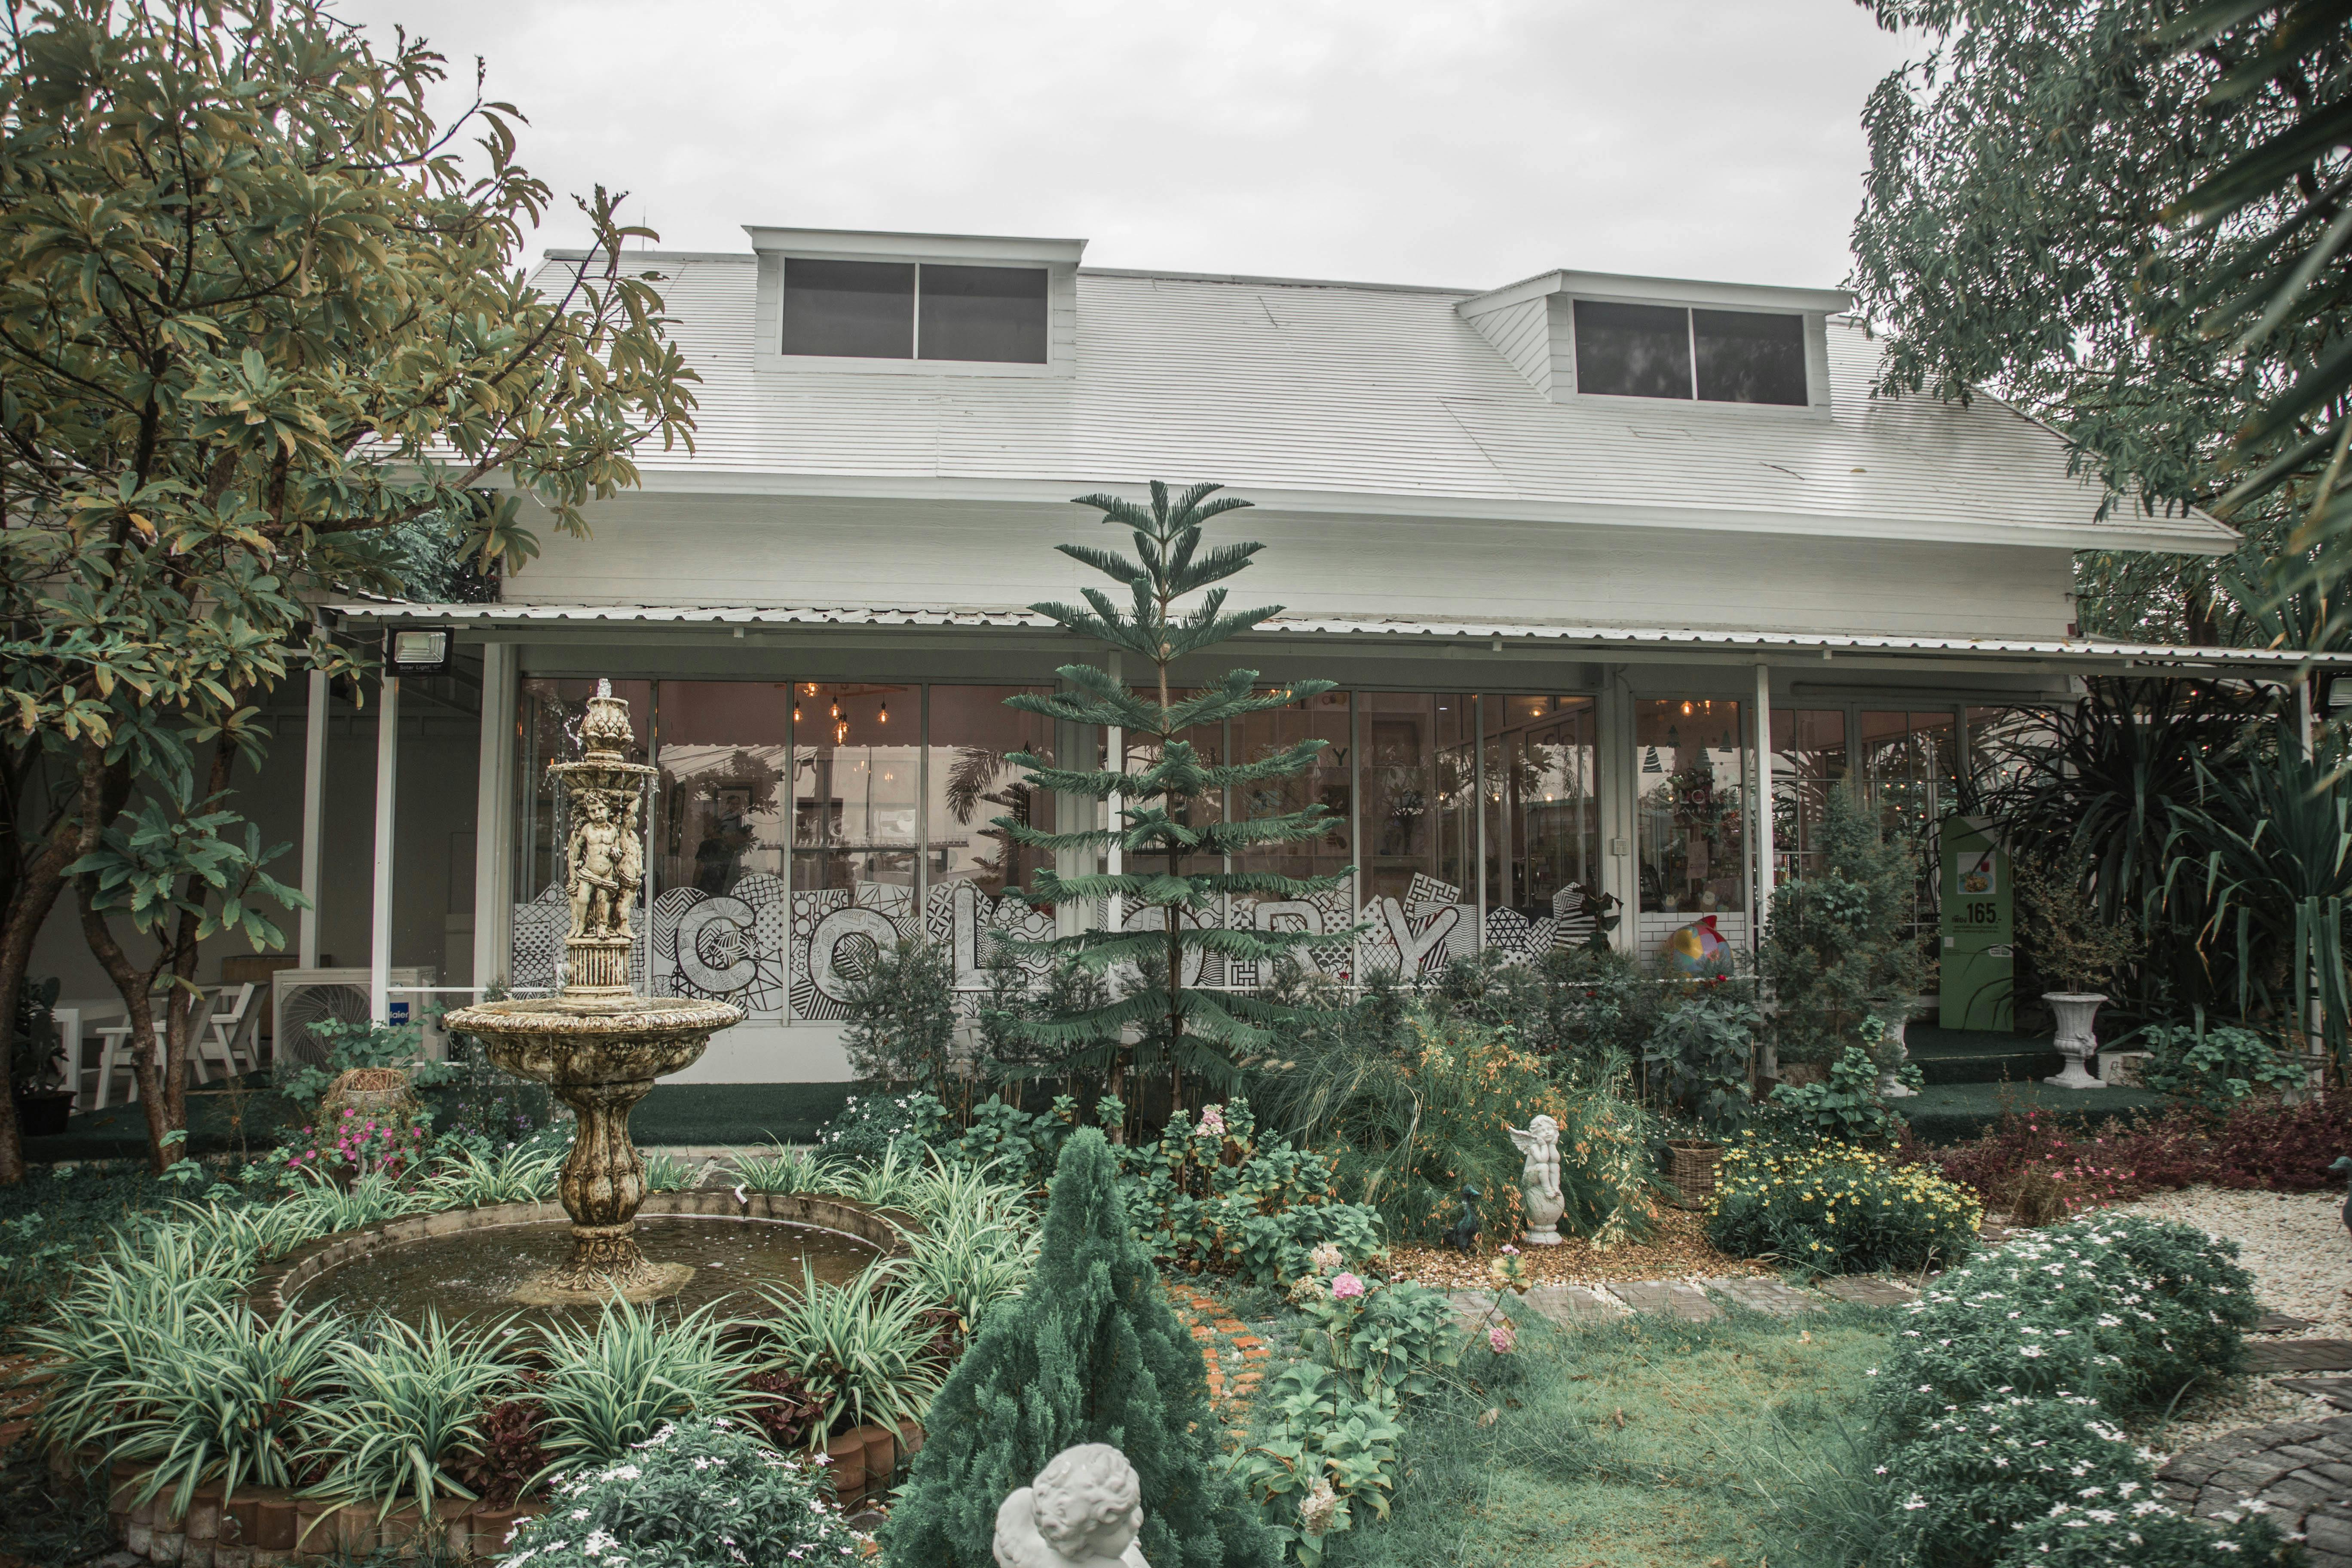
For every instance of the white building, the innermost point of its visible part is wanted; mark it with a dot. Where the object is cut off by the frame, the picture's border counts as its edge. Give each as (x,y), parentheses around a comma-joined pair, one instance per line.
(1563,544)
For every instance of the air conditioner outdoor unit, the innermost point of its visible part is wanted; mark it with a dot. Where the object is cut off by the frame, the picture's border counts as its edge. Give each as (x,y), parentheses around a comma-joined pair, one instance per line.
(302,997)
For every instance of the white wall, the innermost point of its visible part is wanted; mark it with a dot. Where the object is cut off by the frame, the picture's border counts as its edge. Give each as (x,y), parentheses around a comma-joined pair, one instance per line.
(677,550)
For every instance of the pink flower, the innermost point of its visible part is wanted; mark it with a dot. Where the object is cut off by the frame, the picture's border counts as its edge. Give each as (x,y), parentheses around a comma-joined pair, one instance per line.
(1346,1285)
(1503,1337)
(1213,1121)
(1513,1251)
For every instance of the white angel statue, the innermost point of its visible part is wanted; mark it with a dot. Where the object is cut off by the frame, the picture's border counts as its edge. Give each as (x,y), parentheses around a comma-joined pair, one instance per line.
(1540,1141)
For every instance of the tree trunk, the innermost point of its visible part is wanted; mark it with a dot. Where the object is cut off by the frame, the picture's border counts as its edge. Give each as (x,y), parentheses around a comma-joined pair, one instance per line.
(132,985)
(99,790)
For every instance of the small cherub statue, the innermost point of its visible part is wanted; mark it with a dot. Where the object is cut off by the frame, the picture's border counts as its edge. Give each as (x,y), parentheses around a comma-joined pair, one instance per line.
(1083,1511)
(1539,1142)
(597,847)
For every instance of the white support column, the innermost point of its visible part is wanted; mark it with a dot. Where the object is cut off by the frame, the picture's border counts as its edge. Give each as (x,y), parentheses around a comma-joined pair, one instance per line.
(1620,774)
(1764,847)
(2302,708)
(387,779)
(1115,853)
(314,796)
(494,820)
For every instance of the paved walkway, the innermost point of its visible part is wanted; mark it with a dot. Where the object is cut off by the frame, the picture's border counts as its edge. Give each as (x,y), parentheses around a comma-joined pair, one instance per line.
(1691,1300)
(2301,1471)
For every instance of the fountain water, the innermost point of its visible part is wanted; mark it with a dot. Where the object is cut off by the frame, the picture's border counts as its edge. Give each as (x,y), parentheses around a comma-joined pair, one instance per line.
(597,1044)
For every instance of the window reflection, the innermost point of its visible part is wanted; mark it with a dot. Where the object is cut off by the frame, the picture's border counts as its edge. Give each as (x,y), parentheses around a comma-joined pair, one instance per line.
(723,762)
(1543,816)
(972,736)
(855,774)
(1420,790)
(1693,829)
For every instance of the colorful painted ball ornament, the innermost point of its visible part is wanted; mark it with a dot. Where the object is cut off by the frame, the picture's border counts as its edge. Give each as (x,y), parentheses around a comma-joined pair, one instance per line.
(1697,951)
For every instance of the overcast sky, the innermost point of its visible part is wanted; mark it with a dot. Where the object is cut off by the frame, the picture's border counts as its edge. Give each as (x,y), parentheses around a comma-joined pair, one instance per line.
(1472,143)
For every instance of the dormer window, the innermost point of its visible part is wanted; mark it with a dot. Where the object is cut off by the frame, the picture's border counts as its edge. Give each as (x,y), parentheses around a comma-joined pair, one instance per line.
(906,310)
(1712,356)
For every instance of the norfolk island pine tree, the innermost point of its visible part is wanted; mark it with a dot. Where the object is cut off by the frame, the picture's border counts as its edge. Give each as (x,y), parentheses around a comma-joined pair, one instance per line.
(1090,1353)
(1202,1032)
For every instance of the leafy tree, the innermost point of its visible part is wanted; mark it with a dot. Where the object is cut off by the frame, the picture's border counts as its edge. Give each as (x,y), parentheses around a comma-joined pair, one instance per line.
(2286,98)
(1838,950)
(1090,1353)
(2022,231)
(902,1019)
(1170,821)
(257,328)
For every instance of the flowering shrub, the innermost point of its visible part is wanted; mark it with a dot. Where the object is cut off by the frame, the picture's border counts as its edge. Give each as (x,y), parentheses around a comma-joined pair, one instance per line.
(1969,1475)
(1846,1109)
(2113,1532)
(1325,1449)
(694,1494)
(1391,1337)
(353,1145)
(2125,1308)
(1836,1208)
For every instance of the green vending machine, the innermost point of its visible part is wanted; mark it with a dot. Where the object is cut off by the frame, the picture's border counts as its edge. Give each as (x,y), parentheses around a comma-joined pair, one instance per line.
(1978,928)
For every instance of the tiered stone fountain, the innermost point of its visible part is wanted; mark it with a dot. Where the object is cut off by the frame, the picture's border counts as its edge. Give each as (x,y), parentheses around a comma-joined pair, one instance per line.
(597,1043)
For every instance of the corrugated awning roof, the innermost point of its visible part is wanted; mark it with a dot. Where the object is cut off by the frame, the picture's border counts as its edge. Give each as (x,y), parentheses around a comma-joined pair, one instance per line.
(2090,653)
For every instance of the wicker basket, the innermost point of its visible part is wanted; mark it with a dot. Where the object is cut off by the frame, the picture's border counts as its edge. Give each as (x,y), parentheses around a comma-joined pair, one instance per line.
(1691,1167)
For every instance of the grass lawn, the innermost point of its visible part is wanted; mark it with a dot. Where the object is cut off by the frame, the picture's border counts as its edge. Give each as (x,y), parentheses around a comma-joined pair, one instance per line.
(1641,1441)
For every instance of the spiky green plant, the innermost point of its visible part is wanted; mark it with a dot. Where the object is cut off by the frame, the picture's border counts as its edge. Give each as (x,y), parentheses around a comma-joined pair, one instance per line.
(858,1347)
(969,1260)
(217,1395)
(464,1178)
(408,1402)
(1171,822)
(786,1169)
(666,1173)
(611,1383)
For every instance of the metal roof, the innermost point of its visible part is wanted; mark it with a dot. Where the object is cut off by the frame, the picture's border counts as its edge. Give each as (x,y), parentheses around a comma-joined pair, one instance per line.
(2081,651)
(1359,397)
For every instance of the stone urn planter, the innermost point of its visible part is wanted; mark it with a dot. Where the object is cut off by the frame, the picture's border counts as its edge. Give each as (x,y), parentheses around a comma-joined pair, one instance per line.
(1894,1052)
(2076,1011)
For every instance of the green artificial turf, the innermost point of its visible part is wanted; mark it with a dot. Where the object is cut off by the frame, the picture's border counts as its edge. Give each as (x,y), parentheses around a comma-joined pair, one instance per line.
(1643,1441)
(674,1113)
(1956,1112)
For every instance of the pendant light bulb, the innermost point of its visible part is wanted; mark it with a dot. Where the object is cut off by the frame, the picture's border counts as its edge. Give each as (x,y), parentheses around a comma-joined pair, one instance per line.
(837,708)
(840,733)
(796,712)
(886,711)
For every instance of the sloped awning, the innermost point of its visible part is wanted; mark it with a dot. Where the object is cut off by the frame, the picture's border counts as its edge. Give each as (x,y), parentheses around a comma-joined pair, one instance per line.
(2083,655)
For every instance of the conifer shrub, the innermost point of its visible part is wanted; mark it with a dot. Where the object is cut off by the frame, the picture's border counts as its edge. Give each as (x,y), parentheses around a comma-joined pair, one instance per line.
(1837,950)
(1090,1353)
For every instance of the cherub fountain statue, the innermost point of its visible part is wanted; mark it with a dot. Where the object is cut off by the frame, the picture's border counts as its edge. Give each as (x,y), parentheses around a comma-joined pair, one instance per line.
(597,1044)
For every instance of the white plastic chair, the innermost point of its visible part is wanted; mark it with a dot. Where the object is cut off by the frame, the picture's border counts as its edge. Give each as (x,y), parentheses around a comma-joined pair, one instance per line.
(115,1056)
(223,1031)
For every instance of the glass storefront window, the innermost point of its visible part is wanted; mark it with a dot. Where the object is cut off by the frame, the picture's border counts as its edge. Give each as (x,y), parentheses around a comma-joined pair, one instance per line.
(1259,736)
(856,771)
(723,811)
(549,717)
(971,734)
(1911,775)
(1690,809)
(1543,809)
(1420,783)
(1808,760)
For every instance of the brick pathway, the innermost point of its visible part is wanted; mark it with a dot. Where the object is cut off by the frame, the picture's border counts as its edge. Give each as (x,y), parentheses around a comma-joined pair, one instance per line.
(2302,1471)
(1236,1357)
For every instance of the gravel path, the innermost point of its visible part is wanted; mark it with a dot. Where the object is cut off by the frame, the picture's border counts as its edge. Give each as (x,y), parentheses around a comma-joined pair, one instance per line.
(2294,1243)
(2296,1247)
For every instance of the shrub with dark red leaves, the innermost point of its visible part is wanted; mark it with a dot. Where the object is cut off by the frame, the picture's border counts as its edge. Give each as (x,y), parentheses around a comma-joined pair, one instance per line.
(2259,1143)
(2283,1149)
(510,1454)
(784,1408)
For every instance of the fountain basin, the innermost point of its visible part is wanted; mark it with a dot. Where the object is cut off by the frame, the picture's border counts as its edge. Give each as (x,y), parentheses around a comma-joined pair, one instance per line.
(465,1262)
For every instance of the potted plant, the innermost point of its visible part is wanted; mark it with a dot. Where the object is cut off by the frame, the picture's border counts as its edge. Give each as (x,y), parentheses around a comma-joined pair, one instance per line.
(37,1063)
(2070,944)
